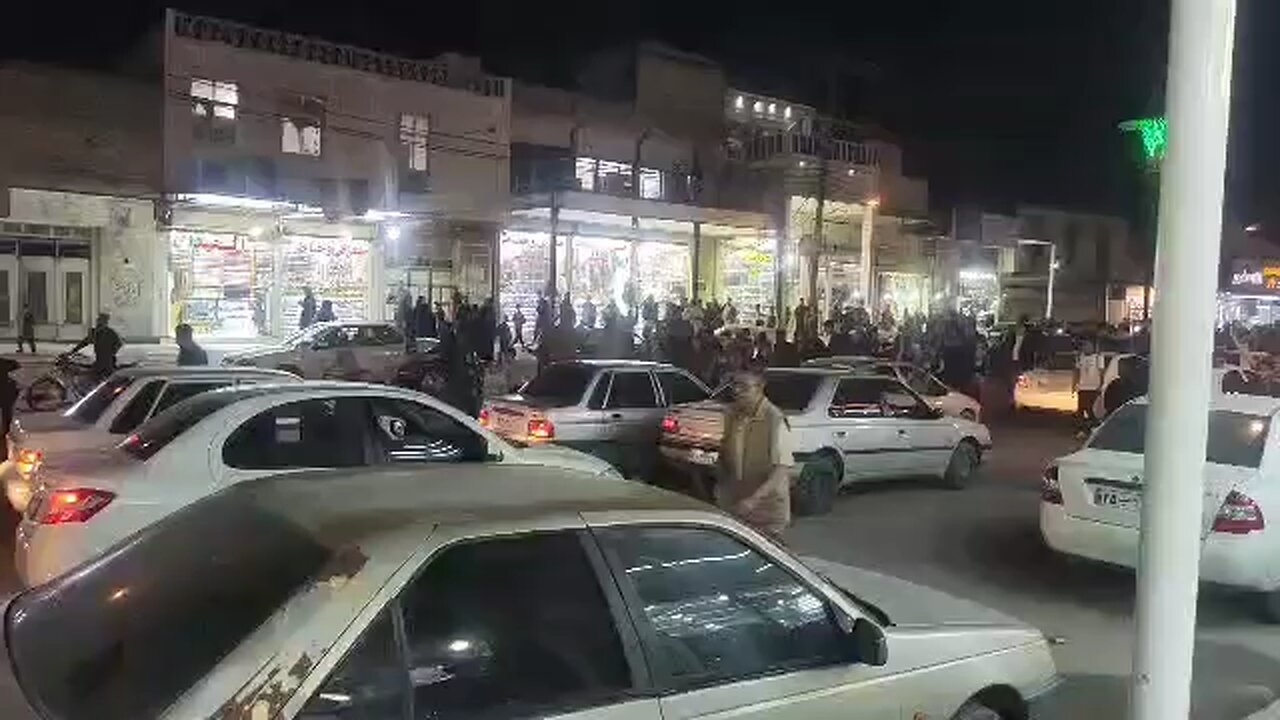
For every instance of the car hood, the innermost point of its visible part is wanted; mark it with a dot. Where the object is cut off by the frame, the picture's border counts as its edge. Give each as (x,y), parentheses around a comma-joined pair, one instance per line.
(559,456)
(906,603)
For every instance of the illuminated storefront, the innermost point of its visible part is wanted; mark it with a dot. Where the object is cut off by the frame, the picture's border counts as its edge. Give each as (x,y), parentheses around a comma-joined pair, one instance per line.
(902,292)
(1252,293)
(747,273)
(978,293)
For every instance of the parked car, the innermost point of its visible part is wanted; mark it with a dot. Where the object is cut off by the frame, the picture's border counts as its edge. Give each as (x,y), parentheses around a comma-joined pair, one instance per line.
(111,411)
(87,500)
(934,391)
(1092,498)
(371,351)
(846,427)
(610,408)
(498,592)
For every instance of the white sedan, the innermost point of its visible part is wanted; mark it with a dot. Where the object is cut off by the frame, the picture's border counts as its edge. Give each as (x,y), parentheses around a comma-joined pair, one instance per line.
(937,393)
(85,501)
(509,592)
(111,411)
(371,351)
(846,427)
(1092,499)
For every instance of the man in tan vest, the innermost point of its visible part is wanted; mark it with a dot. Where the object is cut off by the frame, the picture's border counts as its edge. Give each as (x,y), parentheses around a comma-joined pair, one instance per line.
(753,480)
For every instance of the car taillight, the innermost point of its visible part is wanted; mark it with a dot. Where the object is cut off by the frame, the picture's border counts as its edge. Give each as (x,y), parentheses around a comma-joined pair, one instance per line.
(1239,515)
(28,461)
(72,506)
(670,424)
(483,417)
(541,429)
(1024,381)
(1050,488)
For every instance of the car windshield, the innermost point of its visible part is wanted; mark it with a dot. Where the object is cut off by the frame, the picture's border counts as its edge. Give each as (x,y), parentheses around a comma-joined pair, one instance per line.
(91,406)
(791,391)
(160,610)
(1235,438)
(299,336)
(163,428)
(559,384)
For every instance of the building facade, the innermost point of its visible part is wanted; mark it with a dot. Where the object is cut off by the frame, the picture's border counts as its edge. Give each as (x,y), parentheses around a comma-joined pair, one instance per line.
(294,163)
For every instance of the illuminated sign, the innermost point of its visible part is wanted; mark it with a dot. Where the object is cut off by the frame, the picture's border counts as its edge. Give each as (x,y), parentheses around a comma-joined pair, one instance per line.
(1255,276)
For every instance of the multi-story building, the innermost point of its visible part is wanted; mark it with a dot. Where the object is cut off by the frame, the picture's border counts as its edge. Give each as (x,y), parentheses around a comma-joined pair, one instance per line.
(79,171)
(291,162)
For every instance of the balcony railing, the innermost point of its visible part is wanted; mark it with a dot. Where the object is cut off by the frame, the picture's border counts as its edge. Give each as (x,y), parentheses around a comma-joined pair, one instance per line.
(769,147)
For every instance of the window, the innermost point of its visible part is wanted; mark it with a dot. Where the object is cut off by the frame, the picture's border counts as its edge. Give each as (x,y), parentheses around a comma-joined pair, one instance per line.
(316,433)
(138,409)
(925,383)
(38,295)
(1234,438)
(163,428)
(584,171)
(791,390)
(650,183)
(6,312)
(414,132)
(541,641)
(91,406)
(74,298)
(560,385)
(371,680)
(299,139)
(160,612)
(387,335)
(860,397)
(719,609)
(678,388)
(632,390)
(600,391)
(175,393)
(213,98)
(411,432)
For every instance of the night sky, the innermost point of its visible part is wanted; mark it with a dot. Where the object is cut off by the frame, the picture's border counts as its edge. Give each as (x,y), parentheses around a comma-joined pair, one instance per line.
(995,101)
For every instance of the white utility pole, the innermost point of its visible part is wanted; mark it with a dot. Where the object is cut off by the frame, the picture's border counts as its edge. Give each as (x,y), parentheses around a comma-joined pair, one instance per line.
(1190,227)
(1053,272)
(867,260)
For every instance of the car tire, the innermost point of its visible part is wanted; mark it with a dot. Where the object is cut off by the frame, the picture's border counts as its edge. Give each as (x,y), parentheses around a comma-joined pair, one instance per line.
(974,710)
(963,464)
(815,491)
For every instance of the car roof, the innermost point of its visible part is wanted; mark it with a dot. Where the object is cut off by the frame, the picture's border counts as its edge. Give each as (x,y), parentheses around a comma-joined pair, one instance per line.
(823,370)
(1236,402)
(619,363)
(355,506)
(176,371)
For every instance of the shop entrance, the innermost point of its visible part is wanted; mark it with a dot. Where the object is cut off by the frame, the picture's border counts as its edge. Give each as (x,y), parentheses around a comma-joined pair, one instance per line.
(51,276)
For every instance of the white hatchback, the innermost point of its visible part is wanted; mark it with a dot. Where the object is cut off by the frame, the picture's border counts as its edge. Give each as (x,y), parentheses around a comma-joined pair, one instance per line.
(111,411)
(498,592)
(87,500)
(1092,499)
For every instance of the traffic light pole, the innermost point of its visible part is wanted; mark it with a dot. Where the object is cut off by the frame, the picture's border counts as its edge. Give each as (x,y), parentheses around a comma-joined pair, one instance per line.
(1189,235)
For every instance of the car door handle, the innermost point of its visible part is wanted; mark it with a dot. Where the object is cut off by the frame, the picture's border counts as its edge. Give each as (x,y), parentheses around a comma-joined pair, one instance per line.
(840,433)
(902,433)
(616,416)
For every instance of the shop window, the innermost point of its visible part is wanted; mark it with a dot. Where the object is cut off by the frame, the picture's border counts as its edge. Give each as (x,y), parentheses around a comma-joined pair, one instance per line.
(584,170)
(613,177)
(300,124)
(38,295)
(74,298)
(414,130)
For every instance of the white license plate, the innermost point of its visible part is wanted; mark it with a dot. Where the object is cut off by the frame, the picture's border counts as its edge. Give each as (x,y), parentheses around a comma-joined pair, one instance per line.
(703,457)
(510,425)
(1117,499)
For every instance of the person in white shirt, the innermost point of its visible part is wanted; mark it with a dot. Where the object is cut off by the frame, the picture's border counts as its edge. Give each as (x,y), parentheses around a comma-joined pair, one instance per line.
(1087,382)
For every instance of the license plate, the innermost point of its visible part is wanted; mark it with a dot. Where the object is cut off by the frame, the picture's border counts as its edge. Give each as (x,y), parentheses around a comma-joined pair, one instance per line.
(1117,499)
(703,457)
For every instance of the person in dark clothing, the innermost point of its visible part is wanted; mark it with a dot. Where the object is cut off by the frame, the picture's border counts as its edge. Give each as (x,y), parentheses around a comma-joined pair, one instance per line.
(27,329)
(189,353)
(8,399)
(308,305)
(1131,382)
(517,324)
(326,312)
(424,321)
(106,344)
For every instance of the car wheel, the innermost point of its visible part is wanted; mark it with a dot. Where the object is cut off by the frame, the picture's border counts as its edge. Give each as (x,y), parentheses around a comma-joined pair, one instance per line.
(963,464)
(815,491)
(974,710)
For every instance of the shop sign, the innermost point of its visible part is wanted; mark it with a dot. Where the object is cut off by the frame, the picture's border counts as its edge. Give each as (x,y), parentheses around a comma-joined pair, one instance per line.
(1255,276)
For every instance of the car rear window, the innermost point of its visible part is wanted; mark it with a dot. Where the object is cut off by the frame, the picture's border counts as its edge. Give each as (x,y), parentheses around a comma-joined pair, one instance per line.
(91,406)
(559,384)
(163,427)
(1235,438)
(155,614)
(791,390)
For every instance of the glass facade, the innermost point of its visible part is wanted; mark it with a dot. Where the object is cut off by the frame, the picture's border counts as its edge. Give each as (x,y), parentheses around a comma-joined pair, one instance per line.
(747,275)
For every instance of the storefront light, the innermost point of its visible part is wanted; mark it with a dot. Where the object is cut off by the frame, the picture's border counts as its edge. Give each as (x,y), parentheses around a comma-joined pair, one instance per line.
(382,215)
(739,103)
(786,113)
(233,201)
(393,232)
(757,106)
(974,275)
(255,232)
(773,108)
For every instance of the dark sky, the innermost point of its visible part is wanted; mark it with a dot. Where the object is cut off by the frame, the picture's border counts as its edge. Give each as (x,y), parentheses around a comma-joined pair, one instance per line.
(995,101)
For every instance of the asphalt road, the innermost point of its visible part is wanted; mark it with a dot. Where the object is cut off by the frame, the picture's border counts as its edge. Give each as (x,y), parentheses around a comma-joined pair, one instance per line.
(982,543)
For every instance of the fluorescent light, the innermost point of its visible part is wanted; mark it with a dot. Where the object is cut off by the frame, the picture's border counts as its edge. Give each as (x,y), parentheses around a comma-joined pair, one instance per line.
(738,102)
(255,232)
(757,106)
(234,201)
(786,113)
(773,108)
(393,232)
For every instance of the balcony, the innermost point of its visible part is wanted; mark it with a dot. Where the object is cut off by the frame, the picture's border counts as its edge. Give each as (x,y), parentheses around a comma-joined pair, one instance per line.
(788,146)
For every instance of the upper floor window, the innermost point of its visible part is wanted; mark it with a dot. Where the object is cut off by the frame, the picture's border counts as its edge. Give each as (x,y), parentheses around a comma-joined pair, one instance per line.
(414,131)
(650,183)
(213,98)
(300,125)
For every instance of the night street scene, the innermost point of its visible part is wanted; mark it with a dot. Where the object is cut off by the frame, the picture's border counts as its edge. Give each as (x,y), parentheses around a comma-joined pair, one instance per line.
(885,361)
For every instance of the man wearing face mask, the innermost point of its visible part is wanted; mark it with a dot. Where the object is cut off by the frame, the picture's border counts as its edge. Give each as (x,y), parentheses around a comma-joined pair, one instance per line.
(753,471)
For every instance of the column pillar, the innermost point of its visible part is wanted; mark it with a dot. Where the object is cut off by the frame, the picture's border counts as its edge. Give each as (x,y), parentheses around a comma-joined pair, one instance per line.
(696,257)
(866,265)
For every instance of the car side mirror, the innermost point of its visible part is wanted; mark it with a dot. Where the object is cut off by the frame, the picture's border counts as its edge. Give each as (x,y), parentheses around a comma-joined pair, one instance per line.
(868,643)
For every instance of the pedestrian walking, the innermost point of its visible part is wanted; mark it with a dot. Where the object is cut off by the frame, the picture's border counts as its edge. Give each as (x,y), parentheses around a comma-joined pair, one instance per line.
(753,473)
(517,324)
(308,304)
(189,352)
(1086,380)
(27,329)
(325,313)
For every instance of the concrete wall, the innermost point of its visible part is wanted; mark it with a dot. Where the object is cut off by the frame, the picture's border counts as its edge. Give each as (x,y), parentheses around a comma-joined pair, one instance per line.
(469,138)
